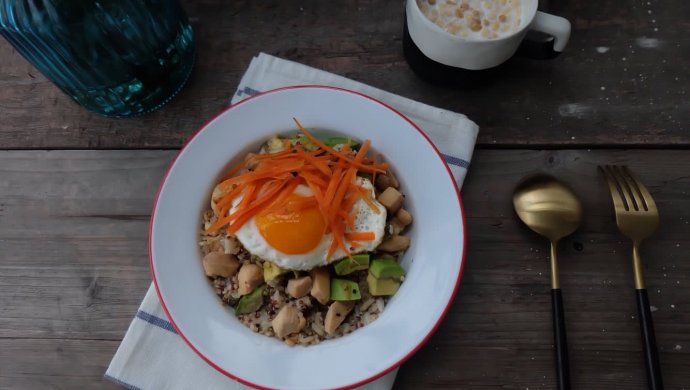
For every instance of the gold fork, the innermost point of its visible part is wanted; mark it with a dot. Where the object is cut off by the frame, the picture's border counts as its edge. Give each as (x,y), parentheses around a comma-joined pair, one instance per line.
(637,218)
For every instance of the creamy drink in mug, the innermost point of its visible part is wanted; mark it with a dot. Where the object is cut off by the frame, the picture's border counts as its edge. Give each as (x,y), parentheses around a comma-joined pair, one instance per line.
(479,34)
(476,19)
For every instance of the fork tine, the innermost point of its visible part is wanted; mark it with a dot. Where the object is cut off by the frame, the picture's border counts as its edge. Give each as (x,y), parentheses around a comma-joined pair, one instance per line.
(627,187)
(634,188)
(619,202)
(644,194)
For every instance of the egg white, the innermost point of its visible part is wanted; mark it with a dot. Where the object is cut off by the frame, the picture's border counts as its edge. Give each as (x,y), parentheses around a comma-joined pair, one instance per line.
(365,220)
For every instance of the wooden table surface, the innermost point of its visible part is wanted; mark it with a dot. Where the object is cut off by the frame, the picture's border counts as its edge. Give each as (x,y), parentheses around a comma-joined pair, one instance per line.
(76,191)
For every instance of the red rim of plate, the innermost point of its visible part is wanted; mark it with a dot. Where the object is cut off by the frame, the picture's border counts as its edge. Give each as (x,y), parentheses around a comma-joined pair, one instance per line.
(450,300)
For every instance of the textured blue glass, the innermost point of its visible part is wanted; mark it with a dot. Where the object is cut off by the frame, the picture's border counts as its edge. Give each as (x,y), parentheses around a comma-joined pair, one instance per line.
(115,57)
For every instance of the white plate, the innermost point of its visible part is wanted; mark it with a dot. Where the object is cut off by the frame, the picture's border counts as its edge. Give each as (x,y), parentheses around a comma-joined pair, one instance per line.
(433,262)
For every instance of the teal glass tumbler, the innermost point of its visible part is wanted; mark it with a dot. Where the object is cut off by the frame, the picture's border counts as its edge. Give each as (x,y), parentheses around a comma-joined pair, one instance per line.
(118,58)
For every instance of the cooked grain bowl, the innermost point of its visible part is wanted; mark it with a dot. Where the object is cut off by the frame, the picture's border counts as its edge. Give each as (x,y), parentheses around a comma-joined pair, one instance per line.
(302,239)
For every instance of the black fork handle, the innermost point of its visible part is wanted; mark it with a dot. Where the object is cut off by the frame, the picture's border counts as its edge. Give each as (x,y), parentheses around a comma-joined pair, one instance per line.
(651,355)
(560,340)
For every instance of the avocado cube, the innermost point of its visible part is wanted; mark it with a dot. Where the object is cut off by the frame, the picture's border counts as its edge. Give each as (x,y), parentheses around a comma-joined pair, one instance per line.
(272,271)
(304,141)
(335,141)
(344,290)
(251,302)
(386,269)
(378,287)
(349,265)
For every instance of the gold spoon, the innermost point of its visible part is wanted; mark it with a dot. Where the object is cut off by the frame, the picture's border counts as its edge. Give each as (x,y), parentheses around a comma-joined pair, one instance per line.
(551,209)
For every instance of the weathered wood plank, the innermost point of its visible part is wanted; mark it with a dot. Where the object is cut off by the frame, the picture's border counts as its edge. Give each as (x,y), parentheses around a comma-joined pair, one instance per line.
(73,240)
(84,277)
(55,364)
(622,80)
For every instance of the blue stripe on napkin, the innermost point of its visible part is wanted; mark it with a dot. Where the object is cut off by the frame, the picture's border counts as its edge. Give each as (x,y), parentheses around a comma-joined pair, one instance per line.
(157,321)
(247,91)
(452,160)
(153,320)
(121,383)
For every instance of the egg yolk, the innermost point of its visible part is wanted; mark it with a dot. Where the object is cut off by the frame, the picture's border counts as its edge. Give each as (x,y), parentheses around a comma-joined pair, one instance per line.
(291,228)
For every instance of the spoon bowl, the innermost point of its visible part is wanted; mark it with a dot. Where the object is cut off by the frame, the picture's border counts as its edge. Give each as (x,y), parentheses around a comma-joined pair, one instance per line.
(551,209)
(547,206)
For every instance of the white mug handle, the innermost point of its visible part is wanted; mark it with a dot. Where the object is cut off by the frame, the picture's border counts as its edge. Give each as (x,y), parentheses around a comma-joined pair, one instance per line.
(553,25)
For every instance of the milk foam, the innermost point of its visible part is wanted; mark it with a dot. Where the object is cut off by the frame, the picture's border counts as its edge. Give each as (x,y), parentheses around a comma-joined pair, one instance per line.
(474,19)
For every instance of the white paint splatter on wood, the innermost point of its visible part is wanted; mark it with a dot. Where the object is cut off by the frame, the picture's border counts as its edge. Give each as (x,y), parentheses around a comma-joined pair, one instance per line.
(648,43)
(602,49)
(575,110)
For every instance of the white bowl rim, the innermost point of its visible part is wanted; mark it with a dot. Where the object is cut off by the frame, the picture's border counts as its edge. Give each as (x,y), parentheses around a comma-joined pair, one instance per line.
(450,298)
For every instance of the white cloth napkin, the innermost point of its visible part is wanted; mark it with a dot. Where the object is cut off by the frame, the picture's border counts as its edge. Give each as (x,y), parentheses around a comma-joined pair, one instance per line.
(152,356)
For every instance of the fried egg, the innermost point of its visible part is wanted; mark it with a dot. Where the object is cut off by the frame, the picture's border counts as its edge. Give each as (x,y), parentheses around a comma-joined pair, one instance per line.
(295,237)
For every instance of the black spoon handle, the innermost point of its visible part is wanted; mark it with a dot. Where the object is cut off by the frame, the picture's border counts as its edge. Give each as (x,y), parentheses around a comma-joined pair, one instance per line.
(651,355)
(560,340)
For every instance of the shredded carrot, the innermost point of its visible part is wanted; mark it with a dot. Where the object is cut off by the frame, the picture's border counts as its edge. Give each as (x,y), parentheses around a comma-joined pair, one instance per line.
(348,218)
(337,177)
(285,192)
(346,147)
(340,192)
(227,198)
(352,197)
(338,234)
(332,247)
(271,178)
(367,199)
(247,197)
(251,210)
(236,169)
(374,161)
(363,151)
(366,168)
(224,210)
(253,176)
(360,236)
(246,200)
(311,177)
(271,155)
(320,164)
